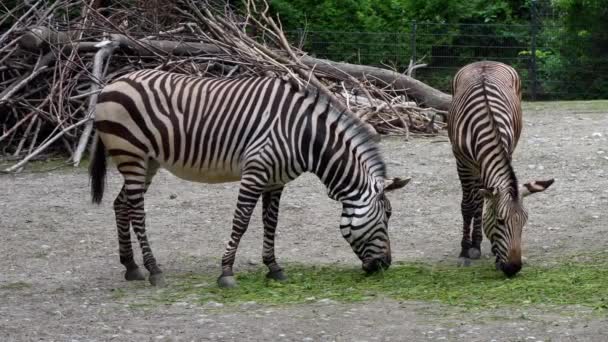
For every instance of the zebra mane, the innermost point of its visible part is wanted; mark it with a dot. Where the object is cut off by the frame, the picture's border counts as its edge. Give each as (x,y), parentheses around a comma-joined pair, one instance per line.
(514,188)
(362,134)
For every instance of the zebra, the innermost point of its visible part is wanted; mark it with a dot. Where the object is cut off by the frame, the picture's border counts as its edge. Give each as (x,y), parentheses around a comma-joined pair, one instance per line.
(484,126)
(261,131)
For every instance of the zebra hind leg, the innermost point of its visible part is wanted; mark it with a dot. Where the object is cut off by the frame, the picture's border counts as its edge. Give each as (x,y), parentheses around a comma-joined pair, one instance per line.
(125,248)
(250,191)
(270,213)
(136,184)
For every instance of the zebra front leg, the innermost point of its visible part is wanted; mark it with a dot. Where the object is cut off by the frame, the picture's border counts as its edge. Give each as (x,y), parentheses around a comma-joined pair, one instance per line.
(125,248)
(249,193)
(270,214)
(475,250)
(468,210)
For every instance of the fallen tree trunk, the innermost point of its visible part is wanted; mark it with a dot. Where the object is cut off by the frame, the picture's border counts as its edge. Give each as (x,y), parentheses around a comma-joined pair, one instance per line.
(44,37)
(423,93)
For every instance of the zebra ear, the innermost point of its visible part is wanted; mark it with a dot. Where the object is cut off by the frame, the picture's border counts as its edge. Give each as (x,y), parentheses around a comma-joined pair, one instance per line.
(391,184)
(489,192)
(535,186)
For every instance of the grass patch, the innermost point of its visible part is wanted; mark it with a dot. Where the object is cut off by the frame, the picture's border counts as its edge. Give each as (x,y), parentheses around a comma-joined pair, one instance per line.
(50,164)
(20,285)
(600,106)
(479,286)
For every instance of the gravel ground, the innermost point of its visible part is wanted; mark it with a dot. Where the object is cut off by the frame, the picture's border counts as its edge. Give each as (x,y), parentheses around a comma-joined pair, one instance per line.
(60,263)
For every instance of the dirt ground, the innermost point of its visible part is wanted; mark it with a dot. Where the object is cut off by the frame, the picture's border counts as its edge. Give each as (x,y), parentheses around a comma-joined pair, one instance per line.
(59,265)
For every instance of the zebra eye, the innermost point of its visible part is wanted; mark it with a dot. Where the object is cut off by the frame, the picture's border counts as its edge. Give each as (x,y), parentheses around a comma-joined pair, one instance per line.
(500,222)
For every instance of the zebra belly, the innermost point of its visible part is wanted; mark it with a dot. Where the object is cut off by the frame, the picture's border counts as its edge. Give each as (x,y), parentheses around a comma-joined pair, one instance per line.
(204,175)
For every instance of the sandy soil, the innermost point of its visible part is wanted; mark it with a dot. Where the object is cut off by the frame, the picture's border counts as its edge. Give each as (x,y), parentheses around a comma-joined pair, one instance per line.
(59,262)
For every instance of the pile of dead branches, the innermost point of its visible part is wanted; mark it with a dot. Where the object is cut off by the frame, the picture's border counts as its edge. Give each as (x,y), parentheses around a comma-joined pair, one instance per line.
(55,56)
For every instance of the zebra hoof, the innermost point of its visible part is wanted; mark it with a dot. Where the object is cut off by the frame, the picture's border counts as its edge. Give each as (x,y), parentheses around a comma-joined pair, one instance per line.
(134,274)
(474,253)
(157,280)
(464,262)
(276,275)
(226,282)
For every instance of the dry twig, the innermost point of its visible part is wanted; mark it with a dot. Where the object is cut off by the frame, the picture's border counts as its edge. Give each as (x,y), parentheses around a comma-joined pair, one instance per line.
(187,36)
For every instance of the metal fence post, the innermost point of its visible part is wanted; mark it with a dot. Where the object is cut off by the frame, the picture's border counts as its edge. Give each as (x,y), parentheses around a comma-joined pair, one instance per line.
(533,28)
(413,45)
(300,38)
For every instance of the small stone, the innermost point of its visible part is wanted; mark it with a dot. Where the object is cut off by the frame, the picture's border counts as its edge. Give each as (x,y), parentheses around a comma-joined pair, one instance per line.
(172,196)
(249,304)
(213,304)
(45,246)
(597,135)
(326,301)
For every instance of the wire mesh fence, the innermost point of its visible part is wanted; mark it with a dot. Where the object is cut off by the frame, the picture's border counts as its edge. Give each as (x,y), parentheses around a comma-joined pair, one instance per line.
(535,50)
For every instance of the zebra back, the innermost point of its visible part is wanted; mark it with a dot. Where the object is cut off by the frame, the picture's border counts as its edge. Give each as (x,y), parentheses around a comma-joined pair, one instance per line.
(202,129)
(490,92)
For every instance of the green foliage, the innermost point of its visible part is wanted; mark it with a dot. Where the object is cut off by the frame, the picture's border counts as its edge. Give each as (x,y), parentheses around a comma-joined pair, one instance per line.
(580,47)
(572,44)
(390,15)
(567,283)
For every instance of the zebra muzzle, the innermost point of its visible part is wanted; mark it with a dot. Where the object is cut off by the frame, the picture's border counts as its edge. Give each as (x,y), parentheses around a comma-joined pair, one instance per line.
(510,269)
(376,264)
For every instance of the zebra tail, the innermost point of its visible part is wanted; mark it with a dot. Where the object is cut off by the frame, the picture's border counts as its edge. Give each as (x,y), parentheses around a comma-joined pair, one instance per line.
(97,169)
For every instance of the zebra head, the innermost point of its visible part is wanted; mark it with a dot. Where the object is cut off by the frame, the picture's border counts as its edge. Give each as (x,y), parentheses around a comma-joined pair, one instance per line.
(364,224)
(504,218)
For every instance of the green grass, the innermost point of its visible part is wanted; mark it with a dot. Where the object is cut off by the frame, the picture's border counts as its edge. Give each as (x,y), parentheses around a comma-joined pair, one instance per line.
(54,164)
(20,285)
(599,106)
(480,286)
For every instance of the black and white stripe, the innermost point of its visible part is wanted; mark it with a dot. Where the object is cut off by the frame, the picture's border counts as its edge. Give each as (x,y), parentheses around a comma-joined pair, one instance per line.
(484,125)
(264,132)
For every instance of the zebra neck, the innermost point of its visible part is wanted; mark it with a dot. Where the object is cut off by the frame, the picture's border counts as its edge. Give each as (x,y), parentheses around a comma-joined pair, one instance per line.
(342,154)
(499,176)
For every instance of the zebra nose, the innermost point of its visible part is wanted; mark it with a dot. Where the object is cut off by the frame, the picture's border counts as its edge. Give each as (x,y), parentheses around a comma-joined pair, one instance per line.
(510,269)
